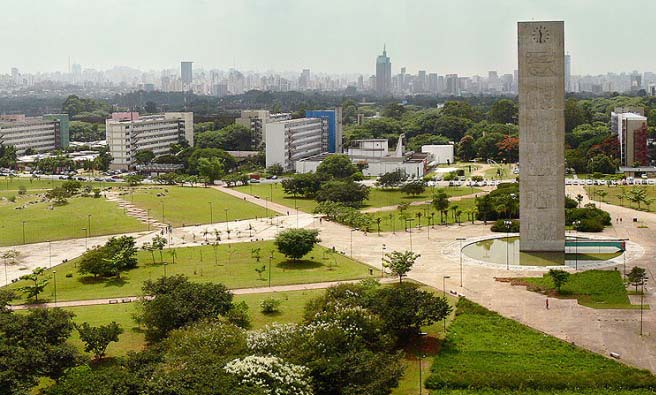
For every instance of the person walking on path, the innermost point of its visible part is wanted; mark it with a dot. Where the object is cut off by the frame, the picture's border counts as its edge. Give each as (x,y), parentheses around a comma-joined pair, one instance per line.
(546,303)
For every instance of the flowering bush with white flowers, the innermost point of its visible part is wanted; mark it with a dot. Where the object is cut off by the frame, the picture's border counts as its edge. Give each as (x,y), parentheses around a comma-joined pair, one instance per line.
(272,374)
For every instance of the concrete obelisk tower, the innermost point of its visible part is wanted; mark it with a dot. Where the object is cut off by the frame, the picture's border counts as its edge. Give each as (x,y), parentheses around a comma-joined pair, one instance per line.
(541,135)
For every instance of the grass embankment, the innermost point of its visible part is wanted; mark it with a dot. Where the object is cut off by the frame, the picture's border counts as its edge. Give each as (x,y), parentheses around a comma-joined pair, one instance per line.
(180,206)
(394,221)
(133,338)
(484,350)
(231,264)
(613,194)
(377,197)
(42,221)
(599,289)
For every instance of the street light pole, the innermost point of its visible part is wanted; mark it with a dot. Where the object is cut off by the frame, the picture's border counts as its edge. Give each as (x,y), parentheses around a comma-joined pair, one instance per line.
(444,294)
(89,222)
(508,223)
(49,254)
(642,298)
(86,238)
(211,213)
(576,244)
(382,262)
(270,259)
(460,239)
(410,227)
(54,277)
(226,219)
(23,232)
(352,230)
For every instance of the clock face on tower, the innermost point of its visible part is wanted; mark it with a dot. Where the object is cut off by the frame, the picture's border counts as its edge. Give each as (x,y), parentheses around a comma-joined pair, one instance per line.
(541,35)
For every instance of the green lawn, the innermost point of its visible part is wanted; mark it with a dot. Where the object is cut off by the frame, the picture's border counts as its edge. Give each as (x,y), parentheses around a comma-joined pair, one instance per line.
(233,265)
(486,350)
(180,206)
(613,193)
(133,338)
(394,221)
(596,391)
(377,197)
(602,289)
(61,222)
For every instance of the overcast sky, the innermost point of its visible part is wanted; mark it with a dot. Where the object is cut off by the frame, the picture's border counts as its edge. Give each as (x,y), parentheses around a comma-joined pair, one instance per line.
(334,36)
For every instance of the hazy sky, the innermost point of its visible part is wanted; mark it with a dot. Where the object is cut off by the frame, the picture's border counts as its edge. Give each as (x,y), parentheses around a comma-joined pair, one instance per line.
(335,36)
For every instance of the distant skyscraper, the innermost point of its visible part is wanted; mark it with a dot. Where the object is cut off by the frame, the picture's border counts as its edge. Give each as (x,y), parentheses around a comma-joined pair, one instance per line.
(568,73)
(383,74)
(186,74)
(452,86)
(421,81)
(432,83)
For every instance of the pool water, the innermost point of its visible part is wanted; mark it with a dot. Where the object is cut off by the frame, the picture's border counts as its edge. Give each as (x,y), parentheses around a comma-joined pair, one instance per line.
(502,250)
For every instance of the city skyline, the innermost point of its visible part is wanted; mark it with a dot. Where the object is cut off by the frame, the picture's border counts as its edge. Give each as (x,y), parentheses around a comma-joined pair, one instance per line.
(263,36)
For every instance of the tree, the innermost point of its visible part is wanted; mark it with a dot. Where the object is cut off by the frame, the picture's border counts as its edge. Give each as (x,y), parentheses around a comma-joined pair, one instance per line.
(96,339)
(348,192)
(144,157)
(466,150)
(117,255)
(177,302)
(414,188)
(394,110)
(337,166)
(637,276)
(275,169)
(304,184)
(210,169)
(405,309)
(159,243)
(579,199)
(295,243)
(509,148)
(133,179)
(503,111)
(399,262)
(8,156)
(392,179)
(239,138)
(559,278)
(603,164)
(37,285)
(150,107)
(441,204)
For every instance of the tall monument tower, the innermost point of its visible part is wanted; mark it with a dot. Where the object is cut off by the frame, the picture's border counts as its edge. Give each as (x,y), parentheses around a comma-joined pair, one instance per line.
(541,135)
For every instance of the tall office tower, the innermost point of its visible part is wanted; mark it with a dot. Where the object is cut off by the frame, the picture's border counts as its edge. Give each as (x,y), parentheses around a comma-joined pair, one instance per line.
(452,86)
(383,74)
(421,81)
(186,74)
(541,135)
(432,83)
(568,73)
(403,79)
(304,79)
(636,82)
(361,83)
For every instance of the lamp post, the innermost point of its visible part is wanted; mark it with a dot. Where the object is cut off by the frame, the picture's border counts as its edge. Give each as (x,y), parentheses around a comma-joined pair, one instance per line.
(86,238)
(576,223)
(420,358)
(444,294)
(382,262)
(352,230)
(642,298)
(211,213)
(226,219)
(165,264)
(54,277)
(460,239)
(410,227)
(89,223)
(270,259)
(508,224)
(23,232)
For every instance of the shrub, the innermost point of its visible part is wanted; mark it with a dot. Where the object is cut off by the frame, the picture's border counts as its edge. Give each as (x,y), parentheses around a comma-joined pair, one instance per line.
(500,226)
(12,198)
(22,189)
(270,305)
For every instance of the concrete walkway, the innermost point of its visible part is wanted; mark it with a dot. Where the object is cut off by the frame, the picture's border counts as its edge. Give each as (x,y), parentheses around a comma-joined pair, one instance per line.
(237,291)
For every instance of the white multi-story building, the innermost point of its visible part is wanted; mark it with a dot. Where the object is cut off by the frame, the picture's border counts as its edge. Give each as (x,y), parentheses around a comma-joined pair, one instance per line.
(40,134)
(290,141)
(256,119)
(129,133)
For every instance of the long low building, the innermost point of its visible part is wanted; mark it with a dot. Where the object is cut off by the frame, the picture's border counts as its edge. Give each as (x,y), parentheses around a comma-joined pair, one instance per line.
(129,133)
(40,134)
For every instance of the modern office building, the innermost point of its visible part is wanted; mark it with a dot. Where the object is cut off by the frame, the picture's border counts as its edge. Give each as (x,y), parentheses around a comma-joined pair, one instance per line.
(40,134)
(292,140)
(568,73)
(256,119)
(335,134)
(186,74)
(128,133)
(630,124)
(383,74)
(452,85)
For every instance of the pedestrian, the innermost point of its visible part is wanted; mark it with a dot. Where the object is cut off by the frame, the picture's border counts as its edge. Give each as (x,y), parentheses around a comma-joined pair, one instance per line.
(287,212)
(546,303)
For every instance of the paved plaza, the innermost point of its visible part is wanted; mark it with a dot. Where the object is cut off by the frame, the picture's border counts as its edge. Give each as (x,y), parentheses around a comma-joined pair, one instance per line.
(599,330)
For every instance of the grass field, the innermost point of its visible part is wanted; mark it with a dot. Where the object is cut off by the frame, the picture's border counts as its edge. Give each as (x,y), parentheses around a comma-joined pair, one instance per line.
(133,338)
(232,265)
(377,197)
(393,221)
(485,350)
(601,289)
(613,193)
(181,206)
(61,222)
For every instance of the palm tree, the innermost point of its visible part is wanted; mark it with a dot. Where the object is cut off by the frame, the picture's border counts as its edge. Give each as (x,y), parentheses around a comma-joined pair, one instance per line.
(579,199)
(454,209)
